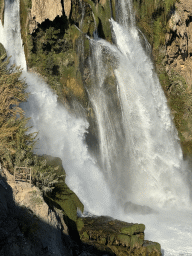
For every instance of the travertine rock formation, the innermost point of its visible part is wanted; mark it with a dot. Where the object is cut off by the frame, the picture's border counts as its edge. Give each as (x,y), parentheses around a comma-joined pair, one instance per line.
(179,41)
(42,10)
(47,9)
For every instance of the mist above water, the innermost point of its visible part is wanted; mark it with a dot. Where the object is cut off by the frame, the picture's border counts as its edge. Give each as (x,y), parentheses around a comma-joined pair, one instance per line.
(141,159)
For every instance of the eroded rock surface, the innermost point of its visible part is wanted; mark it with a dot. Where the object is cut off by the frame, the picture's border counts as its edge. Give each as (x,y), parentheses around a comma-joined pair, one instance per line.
(44,9)
(179,40)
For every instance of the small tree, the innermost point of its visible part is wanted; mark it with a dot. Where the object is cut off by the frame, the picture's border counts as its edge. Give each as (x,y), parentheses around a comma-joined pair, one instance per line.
(15,143)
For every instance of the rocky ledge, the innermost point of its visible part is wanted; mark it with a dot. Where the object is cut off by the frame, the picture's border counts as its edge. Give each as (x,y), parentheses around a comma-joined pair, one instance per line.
(116,237)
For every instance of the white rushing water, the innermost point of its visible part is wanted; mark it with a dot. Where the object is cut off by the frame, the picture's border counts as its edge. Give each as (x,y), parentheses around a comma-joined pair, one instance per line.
(141,154)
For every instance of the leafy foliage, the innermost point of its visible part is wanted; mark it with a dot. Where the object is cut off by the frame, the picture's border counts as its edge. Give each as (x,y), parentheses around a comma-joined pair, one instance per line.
(15,143)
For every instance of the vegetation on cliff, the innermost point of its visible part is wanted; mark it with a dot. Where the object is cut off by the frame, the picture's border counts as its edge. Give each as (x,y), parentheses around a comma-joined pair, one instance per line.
(52,48)
(152,17)
(15,143)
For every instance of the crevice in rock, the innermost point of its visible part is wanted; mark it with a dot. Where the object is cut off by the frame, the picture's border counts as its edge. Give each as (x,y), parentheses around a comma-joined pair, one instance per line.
(100,29)
(184,55)
(62,4)
(188,21)
(172,37)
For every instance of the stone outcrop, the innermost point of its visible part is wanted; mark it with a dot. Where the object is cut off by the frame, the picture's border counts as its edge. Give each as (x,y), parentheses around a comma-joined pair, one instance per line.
(116,237)
(27,225)
(42,10)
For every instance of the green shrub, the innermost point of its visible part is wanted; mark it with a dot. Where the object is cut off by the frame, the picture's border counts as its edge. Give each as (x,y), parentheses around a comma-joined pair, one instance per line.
(15,143)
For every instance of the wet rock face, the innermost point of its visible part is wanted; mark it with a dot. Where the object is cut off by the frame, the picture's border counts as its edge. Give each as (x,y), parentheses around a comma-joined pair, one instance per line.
(116,237)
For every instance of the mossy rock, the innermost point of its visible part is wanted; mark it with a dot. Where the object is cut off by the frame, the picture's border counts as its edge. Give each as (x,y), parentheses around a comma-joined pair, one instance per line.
(3,53)
(124,240)
(67,200)
(80,224)
(102,14)
(152,248)
(48,172)
(133,229)
(2,4)
(84,236)
(120,237)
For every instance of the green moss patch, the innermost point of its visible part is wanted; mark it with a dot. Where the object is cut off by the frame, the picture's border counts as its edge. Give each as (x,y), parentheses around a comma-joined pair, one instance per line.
(67,200)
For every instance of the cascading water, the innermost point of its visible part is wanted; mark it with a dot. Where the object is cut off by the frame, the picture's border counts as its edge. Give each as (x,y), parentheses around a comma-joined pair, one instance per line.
(155,156)
(109,119)
(60,133)
(149,168)
(140,149)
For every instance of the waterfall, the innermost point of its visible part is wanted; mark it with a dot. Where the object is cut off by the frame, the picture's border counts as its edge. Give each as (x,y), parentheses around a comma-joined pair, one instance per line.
(155,156)
(10,34)
(140,156)
(60,133)
(146,161)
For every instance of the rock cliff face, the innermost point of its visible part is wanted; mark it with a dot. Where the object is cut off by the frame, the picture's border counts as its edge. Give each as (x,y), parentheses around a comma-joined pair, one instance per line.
(53,34)
(178,60)
(41,11)
(179,41)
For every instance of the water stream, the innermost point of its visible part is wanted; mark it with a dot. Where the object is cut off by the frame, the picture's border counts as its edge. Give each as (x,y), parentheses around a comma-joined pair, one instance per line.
(141,160)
